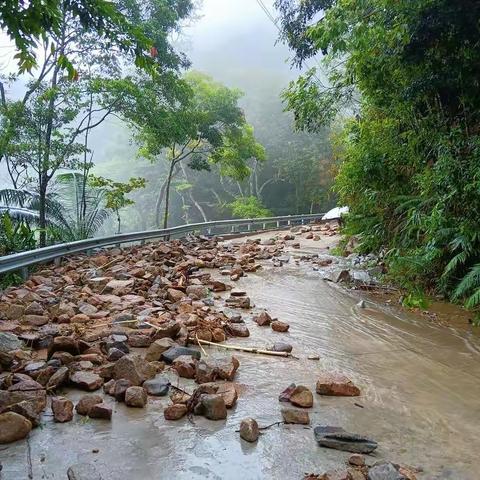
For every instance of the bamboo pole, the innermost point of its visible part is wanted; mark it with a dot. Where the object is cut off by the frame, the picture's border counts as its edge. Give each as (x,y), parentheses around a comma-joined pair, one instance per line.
(247,349)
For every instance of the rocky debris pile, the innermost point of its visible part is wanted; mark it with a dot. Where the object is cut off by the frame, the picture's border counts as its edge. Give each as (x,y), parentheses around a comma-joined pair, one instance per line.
(357,469)
(314,231)
(116,320)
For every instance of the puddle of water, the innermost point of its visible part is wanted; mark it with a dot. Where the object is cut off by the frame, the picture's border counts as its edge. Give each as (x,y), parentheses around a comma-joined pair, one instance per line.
(420,385)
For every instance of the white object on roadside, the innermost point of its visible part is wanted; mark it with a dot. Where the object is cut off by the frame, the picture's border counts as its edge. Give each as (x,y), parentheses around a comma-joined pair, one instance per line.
(335,213)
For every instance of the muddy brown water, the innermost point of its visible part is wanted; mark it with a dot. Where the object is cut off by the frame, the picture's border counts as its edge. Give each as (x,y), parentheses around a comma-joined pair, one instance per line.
(420,385)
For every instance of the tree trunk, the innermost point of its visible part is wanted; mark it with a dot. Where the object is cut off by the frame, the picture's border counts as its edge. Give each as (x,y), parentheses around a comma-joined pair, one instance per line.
(42,212)
(167,194)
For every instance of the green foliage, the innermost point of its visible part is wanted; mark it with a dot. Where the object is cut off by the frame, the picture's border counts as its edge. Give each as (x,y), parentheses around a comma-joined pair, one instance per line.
(115,193)
(202,126)
(410,153)
(415,300)
(249,207)
(15,236)
(138,30)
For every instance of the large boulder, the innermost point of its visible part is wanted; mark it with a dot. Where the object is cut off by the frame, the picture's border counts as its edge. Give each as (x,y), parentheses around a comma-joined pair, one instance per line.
(13,427)
(336,384)
(134,368)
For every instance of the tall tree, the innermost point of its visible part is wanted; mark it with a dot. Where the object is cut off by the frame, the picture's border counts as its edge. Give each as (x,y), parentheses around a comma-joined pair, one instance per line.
(48,129)
(207,129)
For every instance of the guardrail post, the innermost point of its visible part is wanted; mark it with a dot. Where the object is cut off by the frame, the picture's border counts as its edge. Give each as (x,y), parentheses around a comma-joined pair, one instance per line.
(24,273)
(278,223)
(233,229)
(57,261)
(264,226)
(249,226)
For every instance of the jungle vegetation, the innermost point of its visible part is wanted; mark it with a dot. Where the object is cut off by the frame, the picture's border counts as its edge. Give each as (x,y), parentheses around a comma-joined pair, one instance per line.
(403,90)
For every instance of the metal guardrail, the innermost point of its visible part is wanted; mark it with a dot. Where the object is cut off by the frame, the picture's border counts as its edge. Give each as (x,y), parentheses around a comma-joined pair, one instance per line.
(19,261)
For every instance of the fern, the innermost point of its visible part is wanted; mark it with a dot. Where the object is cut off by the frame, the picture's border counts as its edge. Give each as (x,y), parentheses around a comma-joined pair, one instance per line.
(469,282)
(473,300)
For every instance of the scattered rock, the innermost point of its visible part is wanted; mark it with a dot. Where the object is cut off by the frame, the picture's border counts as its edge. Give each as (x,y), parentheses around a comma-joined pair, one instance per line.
(100,410)
(58,378)
(86,403)
(13,427)
(336,384)
(62,409)
(157,387)
(132,367)
(279,326)
(156,349)
(9,342)
(120,388)
(172,353)
(357,460)
(185,366)
(83,471)
(385,471)
(114,354)
(211,406)
(301,397)
(26,409)
(339,439)
(287,393)
(291,415)
(63,344)
(86,380)
(175,411)
(136,397)
(263,319)
(35,320)
(238,330)
(249,430)
(281,347)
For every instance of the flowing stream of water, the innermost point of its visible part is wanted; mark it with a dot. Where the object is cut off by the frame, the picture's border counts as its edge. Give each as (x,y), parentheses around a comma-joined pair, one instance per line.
(420,386)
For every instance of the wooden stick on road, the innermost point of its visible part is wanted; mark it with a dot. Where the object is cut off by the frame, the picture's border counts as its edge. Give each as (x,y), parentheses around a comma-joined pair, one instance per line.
(247,349)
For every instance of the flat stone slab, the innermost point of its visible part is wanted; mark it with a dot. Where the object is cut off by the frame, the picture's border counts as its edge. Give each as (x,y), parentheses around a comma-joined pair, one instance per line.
(340,439)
